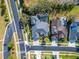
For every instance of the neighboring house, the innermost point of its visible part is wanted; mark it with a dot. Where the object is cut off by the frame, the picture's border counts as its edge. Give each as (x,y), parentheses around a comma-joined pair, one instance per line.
(58,28)
(39,25)
(73,32)
(77,22)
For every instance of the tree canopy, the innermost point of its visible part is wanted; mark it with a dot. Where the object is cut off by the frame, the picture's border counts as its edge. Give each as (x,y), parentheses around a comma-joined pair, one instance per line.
(44,6)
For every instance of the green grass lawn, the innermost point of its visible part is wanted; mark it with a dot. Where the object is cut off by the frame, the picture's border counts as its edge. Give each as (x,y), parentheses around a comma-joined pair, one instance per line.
(74,11)
(69,53)
(69,57)
(47,56)
(43,56)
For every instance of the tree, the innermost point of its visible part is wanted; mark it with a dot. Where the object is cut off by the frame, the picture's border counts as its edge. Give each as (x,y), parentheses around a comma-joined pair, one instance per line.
(10,45)
(67,7)
(10,57)
(77,58)
(71,19)
(3,7)
(42,6)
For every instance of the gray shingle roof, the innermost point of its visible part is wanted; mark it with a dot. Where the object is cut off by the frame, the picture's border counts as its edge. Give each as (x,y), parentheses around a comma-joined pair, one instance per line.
(73,32)
(40,27)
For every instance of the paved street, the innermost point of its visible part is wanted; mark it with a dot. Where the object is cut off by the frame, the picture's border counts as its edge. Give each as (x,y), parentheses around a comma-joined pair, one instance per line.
(55,53)
(53,48)
(7,39)
(17,28)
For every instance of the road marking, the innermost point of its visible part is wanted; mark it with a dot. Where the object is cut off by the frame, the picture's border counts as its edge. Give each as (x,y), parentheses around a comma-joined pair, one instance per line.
(19,42)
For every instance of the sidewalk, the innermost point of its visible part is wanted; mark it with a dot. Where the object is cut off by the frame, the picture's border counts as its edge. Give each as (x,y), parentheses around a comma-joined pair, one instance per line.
(26,43)
(38,53)
(71,44)
(55,53)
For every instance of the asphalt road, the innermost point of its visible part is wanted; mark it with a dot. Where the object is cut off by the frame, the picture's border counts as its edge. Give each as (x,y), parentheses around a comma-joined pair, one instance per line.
(52,48)
(7,39)
(18,29)
(21,41)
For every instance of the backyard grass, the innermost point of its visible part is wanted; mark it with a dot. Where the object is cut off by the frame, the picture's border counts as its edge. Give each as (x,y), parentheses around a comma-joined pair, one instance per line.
(74,11)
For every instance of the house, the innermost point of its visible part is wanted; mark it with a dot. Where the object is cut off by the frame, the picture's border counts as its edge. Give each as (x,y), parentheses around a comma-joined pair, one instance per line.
(73,32)
(58,27)
(62,23)
(39,25)
(77,22)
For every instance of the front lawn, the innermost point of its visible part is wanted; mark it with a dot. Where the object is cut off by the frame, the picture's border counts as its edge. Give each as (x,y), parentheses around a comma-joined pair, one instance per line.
(69,57)
(47,55)
(44,55)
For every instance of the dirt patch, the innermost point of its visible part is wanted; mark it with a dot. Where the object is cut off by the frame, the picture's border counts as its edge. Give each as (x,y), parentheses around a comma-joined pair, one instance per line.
(0,55)
(1,45)
(2,27)
(30,2)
